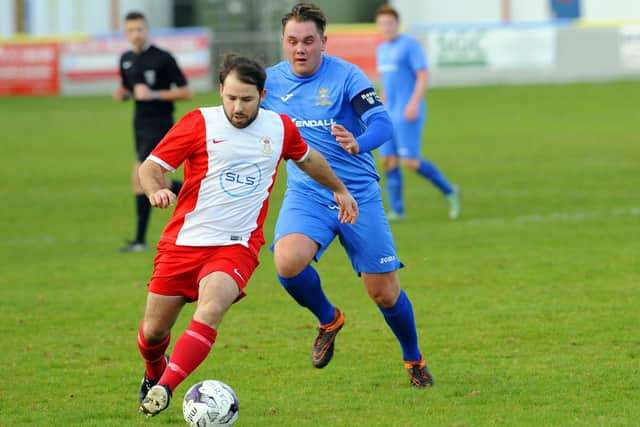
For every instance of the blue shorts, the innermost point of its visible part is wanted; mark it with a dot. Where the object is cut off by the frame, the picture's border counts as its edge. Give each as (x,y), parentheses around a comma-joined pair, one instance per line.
(406,142)
(368,243)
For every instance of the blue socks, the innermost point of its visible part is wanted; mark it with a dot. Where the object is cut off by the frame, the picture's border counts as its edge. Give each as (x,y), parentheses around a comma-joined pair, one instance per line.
(394,183)
(306,290)
(394,190)
(431,172)
(401,321)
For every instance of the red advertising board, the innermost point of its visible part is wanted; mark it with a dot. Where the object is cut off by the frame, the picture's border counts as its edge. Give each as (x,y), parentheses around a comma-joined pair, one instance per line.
(29,68)
(357,47)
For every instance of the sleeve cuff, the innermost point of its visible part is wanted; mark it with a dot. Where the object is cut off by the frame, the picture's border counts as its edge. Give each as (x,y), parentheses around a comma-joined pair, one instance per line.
(161,162)
(304,156)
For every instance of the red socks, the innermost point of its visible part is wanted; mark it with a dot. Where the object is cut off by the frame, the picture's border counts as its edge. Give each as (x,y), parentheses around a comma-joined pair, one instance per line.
(188,353)
(153,355)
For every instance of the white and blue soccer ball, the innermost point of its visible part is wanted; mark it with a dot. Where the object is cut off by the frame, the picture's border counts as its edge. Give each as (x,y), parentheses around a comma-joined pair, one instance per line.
(210,403)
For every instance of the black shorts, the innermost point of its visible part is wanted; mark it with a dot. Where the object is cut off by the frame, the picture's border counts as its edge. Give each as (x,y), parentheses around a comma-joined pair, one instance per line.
(149,131)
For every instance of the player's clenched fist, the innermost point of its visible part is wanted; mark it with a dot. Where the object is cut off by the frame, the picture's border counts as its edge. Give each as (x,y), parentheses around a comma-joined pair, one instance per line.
(162,198)
(141,92)
(345,138)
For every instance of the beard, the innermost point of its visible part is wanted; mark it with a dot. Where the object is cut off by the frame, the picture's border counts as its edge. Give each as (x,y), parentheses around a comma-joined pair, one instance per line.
(240,121)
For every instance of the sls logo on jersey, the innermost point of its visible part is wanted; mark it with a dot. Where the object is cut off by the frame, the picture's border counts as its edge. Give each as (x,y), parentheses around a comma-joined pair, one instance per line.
(240,179)
(312,123)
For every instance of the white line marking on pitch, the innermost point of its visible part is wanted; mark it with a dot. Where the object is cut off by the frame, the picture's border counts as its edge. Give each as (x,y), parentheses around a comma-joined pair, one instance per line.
(48,240)
(559,216)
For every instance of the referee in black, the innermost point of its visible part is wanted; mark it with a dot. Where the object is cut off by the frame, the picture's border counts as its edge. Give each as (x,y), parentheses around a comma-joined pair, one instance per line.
(153,79)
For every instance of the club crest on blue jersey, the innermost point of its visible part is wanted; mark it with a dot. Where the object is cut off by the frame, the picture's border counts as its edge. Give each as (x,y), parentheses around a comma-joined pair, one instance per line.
(323,97)
(267,148)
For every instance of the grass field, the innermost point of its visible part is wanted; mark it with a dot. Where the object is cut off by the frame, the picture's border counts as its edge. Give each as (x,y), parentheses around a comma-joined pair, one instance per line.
(527,307)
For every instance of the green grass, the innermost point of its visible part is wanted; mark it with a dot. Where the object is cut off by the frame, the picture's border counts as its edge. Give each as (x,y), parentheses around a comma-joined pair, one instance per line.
(527,307)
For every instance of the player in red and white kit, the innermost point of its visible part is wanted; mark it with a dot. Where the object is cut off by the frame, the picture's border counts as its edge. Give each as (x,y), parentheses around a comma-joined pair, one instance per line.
(209,248)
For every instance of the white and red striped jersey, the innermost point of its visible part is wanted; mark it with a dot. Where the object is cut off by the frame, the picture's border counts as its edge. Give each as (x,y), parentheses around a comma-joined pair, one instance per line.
(228,175)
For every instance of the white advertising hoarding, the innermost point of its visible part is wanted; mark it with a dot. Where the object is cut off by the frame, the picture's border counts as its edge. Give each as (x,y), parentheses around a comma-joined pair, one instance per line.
(493,48)
(630,47)
(91,66)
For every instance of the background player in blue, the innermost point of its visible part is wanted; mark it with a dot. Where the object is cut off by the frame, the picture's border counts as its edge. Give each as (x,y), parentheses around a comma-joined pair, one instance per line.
(339,114)
(403,67)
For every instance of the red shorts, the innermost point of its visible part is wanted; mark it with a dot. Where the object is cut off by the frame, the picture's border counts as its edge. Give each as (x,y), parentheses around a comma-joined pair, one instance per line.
(177,270)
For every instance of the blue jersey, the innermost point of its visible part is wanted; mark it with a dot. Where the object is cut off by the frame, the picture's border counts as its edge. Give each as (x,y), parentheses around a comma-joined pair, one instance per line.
(398,61)
(333,94)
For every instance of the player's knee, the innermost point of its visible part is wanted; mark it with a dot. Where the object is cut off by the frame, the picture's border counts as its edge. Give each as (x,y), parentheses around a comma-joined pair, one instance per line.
(389,162)
(292,256)
(289,266)
(153,333)
(210,314)
(384,294)
(411,163)
(383,299)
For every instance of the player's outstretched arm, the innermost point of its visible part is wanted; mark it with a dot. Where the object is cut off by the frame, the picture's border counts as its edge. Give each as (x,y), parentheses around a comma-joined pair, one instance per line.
(316,166)
(154,184)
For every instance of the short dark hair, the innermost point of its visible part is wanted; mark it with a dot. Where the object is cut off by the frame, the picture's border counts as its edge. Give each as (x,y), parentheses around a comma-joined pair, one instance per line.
(303,12)
(386,9)
(134,16)
(248,70)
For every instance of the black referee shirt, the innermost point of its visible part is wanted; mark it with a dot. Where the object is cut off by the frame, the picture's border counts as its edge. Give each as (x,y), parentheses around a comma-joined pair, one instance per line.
(157,69)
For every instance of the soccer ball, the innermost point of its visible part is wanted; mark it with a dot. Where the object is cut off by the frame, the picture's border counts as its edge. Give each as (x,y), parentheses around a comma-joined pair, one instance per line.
(210,403)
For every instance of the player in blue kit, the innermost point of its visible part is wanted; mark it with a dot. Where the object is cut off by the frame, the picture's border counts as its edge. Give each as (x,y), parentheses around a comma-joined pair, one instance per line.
(403,68)
(339,114)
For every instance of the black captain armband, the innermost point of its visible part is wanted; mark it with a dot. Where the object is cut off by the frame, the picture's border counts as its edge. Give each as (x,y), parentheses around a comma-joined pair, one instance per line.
(365,100)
